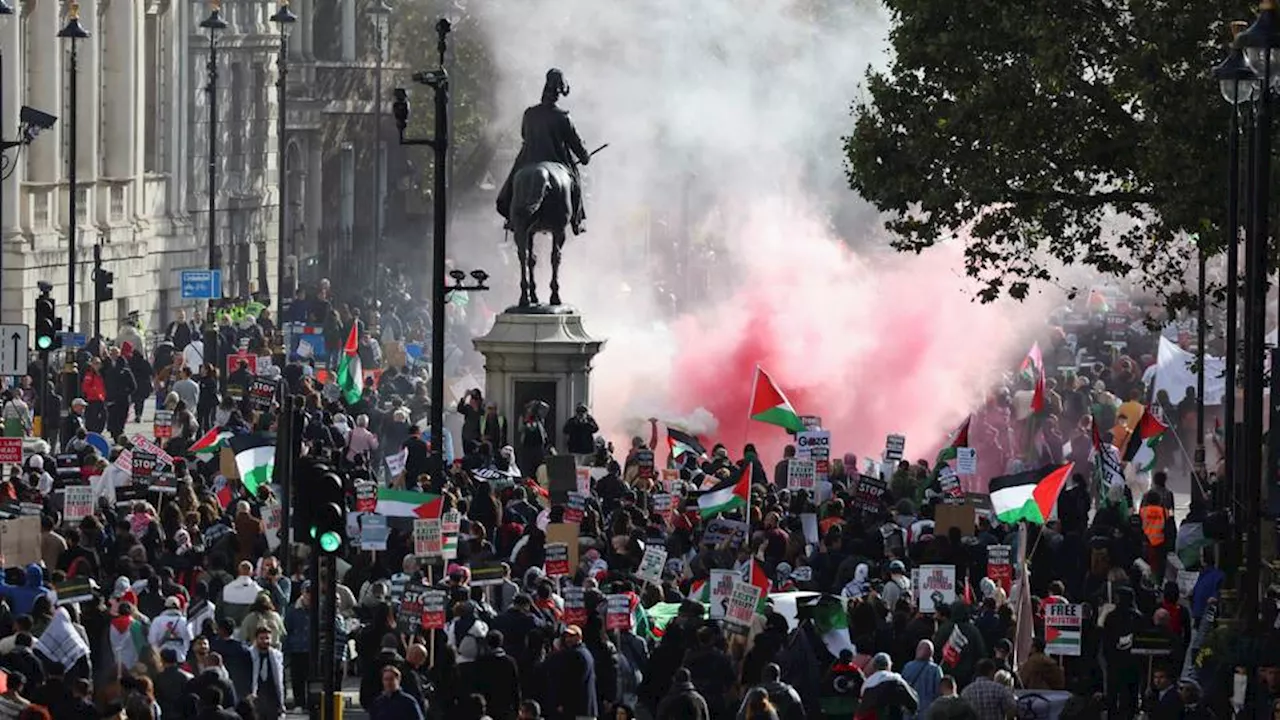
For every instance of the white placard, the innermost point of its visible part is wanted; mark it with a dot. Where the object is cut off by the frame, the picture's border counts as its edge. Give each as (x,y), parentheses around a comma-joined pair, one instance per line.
(966,461)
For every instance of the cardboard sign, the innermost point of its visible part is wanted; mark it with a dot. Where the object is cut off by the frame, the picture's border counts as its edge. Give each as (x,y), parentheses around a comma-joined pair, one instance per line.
(366,497)
(575,606)
(262,392)
(742,606)
(619,613)
(894,446)
(721,582)
(427,539)
(1062,624)
(869,493)
(78,504)
(557,559)
(966,461)
(960,517)
(144,466)
(567,535)
(162,426)
(652,564)
(999,568)
(644,463)
(574,508)
(801,474)
(937,586)
(433,610)
(815,445)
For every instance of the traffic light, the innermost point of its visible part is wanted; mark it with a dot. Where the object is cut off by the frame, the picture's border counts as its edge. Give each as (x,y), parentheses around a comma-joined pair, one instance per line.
(46,324)
(102,289)
(321,507)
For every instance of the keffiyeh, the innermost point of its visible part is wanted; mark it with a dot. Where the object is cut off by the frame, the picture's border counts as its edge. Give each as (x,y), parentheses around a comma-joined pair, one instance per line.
(60,642)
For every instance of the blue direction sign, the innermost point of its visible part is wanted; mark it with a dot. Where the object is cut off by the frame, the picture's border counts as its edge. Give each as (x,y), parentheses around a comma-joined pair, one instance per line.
(201,284)
(74,340)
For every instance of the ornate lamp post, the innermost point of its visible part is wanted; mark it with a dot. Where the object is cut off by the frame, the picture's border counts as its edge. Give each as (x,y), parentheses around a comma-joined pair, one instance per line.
(284,19)
(381,13)
(1261,46)
(214,24)
(1236,80)
(72,31)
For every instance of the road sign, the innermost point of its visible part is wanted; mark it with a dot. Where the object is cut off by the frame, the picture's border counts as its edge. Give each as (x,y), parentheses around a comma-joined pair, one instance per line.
(13,349)
(201,284)
(73,340)
(11,451)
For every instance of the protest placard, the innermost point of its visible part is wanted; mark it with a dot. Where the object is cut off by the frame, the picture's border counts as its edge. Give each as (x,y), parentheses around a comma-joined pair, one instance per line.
(575,605)
(652,563)
(144,465)
(366,497)
(720,530)
(999,569)
(801,474)
(262,392)
(574,508)
(162,426)
(644,464)
(484,574)
(78,504)
(966,461)
(433,610)
(409,611)
(663,503)
(937,586)
(670,476)
(1062,624)
(619,613)
(583,477)
(869,493)
(427,540)
(815,445)
(894,446)
(742,606)
(556,562)
(721,583)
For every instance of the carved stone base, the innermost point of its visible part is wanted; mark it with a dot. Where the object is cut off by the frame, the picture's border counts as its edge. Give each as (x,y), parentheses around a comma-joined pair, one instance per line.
(542,353)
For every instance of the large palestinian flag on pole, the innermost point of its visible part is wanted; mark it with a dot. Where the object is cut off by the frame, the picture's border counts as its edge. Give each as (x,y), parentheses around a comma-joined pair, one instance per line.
(1141,449)
(959,440)
(727,496)
(350,371)
(680,442)
(1028,495)
(769,405)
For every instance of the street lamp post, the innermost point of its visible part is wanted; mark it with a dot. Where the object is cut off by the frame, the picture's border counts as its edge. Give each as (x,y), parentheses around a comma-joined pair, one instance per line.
(1261,46)
(284,19)
(5,9)
(72,31)
(214,24)
(381,13)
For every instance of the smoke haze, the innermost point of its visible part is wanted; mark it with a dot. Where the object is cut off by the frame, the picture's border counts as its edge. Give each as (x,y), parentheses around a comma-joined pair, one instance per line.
(726,117)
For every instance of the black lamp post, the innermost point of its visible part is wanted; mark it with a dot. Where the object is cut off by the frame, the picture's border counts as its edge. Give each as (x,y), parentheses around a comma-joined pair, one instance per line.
(438,81)
(1236,80)
(1261,46)
(72,31)
(381,13)
(214,24)
(284,19)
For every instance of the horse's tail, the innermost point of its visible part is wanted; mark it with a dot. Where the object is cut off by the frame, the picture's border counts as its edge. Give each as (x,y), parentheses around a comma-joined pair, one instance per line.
(529,189)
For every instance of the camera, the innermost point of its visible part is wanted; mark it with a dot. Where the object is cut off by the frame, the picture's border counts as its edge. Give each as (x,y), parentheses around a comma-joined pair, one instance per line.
(33,122)
(45,287)
(431,77)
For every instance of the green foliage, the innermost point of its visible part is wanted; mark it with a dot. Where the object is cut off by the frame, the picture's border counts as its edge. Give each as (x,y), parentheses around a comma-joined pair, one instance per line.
(1087,133)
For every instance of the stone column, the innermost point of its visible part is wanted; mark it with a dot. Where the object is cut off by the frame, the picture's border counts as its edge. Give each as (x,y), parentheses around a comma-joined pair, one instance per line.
(44,158)
(89,112)
(122,79)
(11,30)
(314,211)
(349,30)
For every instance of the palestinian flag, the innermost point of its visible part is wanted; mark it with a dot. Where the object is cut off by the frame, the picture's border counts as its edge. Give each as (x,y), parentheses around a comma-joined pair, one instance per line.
(350,372)
(727,496)
(681,442)
(1108,472)
(1033,370)
(831,621)
(255,459)
(954,647)
(769,405)
(408,504)
(1141,450)
(210,443)
(1028,495)
(959,440)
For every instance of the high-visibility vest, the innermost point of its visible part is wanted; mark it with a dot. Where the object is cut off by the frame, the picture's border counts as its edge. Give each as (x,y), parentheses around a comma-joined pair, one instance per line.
(1153,517)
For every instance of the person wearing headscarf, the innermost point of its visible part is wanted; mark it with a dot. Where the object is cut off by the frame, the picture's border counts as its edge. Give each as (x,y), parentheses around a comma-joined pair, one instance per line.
(859,585)
(923,675)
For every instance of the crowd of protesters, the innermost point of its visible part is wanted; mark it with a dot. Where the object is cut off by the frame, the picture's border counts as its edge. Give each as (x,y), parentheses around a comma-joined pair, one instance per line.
(198,609)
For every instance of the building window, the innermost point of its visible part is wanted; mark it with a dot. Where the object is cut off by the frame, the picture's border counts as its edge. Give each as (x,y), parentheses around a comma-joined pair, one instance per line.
(40,209)
(82,206)
(117,202)
(156,90)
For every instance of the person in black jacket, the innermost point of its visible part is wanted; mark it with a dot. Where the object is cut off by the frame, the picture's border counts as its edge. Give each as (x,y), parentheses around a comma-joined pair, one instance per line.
(580,432)
(495,676)
(120,386)
(886,691)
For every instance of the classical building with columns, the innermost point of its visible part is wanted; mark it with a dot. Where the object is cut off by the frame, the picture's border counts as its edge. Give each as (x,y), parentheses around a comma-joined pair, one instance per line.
(142,160)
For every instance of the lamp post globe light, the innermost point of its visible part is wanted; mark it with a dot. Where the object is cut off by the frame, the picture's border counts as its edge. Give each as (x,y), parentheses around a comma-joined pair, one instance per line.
(1260,46)
(284,18)
(214,23)
(381,14)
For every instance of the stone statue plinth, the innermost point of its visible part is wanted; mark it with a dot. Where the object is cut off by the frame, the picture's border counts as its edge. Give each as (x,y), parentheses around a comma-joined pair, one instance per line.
(538,353)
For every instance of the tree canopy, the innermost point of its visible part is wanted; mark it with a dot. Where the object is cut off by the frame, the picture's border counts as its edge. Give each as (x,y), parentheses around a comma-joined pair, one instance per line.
(1086,132)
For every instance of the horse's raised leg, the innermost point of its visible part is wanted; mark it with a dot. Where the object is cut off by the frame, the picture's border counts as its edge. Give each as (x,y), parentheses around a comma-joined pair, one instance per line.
(557,242)
(522,244)
(533,263)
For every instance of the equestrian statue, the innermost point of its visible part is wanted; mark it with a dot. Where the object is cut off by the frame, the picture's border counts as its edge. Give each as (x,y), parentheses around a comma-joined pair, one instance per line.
(543,191)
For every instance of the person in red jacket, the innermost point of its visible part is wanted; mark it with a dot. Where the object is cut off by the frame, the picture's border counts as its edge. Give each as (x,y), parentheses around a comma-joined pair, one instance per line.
(94,390)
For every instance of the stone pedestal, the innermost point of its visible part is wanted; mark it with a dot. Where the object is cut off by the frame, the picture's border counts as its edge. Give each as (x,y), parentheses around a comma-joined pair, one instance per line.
(538,354)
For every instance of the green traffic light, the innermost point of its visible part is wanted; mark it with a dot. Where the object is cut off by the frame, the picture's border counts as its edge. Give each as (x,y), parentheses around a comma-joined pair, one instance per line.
(44,342)
(330,542)
(313,532)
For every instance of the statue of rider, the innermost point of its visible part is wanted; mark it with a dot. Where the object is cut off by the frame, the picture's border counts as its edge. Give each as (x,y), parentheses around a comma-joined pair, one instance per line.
(549,136)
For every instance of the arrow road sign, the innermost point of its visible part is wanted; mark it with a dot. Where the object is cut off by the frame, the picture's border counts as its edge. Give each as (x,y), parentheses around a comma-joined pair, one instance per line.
(13,349)
(201,284)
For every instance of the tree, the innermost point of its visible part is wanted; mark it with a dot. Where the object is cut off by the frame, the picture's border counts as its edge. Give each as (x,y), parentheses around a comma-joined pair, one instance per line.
(1083,132)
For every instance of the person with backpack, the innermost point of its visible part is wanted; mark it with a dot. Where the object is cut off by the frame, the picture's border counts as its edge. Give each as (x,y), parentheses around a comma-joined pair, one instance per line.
(924,676)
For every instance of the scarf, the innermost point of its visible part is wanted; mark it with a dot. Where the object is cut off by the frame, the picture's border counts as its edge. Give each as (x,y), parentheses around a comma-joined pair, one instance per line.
(60,642)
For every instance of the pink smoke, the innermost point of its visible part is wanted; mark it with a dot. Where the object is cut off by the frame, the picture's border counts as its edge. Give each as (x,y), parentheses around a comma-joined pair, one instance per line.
(889,344)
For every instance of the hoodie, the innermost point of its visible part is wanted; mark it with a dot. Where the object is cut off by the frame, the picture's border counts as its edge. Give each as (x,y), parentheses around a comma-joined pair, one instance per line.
(23,597)
(886,695)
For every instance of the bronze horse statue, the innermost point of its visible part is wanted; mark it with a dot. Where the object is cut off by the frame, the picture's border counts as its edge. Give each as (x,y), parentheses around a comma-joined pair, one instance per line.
(540,202)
